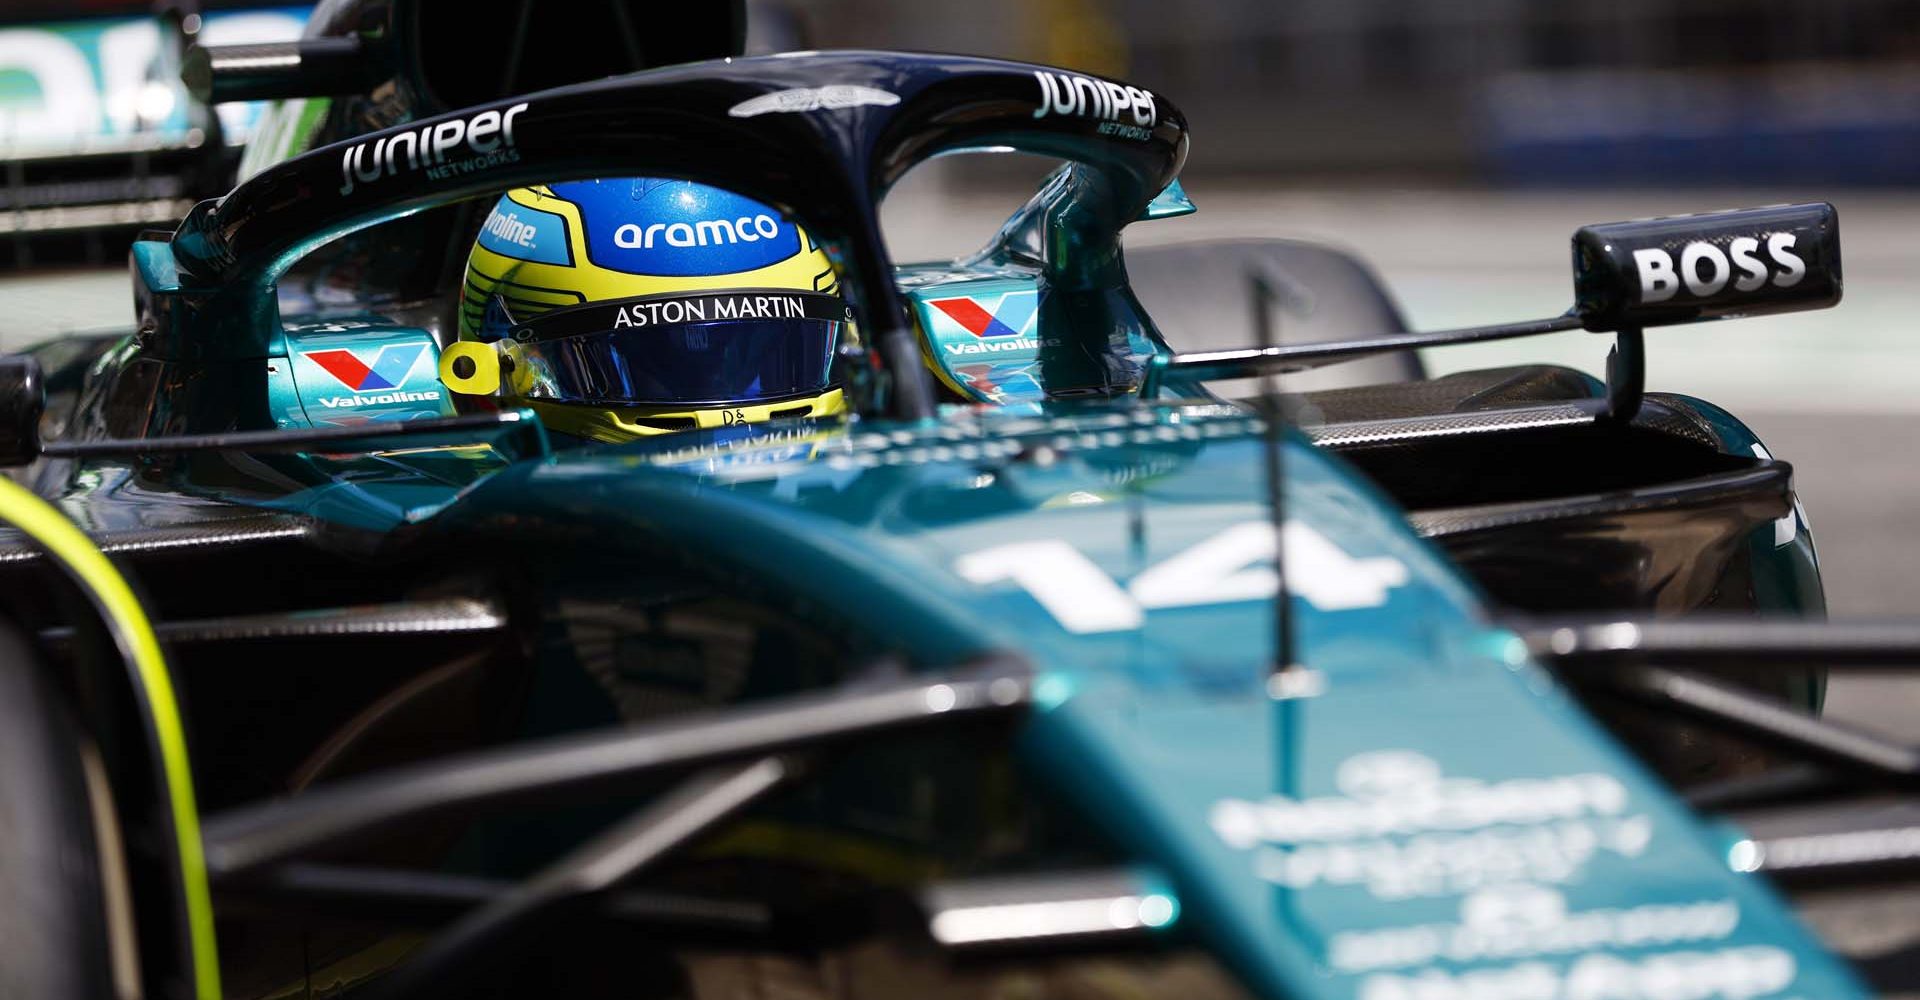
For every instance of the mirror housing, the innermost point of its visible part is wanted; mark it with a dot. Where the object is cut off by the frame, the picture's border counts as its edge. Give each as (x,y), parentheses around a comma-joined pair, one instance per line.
(271,71)
(1684,268)
(23,398)
(1171,203)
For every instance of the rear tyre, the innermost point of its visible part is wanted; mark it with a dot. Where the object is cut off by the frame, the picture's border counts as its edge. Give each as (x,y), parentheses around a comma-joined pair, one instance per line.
(52,915)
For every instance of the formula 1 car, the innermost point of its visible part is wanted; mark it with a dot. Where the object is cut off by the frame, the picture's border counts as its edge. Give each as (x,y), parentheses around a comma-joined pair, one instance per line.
(999,697)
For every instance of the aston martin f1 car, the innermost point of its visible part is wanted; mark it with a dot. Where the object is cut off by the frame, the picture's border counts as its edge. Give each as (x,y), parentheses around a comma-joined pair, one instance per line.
(1092,683)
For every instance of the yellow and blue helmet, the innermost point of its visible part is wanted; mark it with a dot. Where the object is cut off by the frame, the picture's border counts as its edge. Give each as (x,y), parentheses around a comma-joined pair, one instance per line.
(620,308)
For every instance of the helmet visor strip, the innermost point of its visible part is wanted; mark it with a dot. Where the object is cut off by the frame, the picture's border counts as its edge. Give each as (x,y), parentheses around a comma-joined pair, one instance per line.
(699,348)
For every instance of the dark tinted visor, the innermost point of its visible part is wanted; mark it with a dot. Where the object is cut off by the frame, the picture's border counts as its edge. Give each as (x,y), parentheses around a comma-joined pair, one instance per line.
(702,348)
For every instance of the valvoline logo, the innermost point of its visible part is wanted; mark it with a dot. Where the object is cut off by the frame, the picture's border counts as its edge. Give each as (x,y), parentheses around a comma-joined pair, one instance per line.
(999,323)
(348,370)
(386,368)
(384,380)
(514,230)
(643,225)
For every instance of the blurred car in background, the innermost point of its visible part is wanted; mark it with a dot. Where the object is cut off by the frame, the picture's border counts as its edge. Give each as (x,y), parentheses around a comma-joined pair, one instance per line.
(98,136)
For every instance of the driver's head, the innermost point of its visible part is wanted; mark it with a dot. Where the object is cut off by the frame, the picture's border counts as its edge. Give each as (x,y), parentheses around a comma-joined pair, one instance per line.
(618,308)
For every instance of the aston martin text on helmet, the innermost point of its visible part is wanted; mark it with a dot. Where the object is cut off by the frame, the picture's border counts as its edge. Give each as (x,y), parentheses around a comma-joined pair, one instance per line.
(488,135)
(708,308)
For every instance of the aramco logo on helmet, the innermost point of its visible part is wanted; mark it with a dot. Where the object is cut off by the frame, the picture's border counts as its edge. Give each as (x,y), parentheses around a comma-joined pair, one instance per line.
(704,232)
(680,228)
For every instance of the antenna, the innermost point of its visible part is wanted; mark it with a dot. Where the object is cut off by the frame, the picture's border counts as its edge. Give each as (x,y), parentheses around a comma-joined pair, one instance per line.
(1288,678)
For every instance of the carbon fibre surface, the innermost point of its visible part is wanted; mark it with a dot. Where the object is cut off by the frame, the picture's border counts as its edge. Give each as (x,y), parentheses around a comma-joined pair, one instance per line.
(1491,389)
(223,530)
(1768,485)
(1413,428)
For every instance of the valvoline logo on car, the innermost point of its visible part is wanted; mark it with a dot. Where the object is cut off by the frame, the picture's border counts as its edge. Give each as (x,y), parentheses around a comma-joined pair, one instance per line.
(355,371)
(1009,315)
(385,368)
(985,321)
(986,335)
(677,229)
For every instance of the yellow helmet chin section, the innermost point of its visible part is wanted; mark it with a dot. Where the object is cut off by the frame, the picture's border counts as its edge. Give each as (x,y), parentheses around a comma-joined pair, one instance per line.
(627,423)
(472,368)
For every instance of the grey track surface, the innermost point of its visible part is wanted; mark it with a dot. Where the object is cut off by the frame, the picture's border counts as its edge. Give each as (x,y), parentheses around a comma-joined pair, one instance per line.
(1859,478)
(45,304)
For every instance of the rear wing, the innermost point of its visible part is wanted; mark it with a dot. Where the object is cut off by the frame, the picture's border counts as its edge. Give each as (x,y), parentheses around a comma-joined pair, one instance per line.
(1626,275)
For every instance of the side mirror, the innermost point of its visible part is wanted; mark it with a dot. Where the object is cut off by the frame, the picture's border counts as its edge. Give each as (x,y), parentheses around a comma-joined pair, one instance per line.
(325,67)
(1171,202)
(23,397)
(1655,272)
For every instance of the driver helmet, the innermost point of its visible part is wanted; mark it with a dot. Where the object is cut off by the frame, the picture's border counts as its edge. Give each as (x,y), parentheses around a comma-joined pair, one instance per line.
(621,308)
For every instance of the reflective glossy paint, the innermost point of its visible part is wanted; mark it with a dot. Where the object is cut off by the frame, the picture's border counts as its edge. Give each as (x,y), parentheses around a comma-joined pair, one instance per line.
(1430,816)
(1440,814)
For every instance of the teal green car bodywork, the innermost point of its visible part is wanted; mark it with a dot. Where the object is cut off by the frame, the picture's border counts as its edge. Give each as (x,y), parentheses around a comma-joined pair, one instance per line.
(1430,816)
(1433,816)
(1350,843)
(1412,810)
